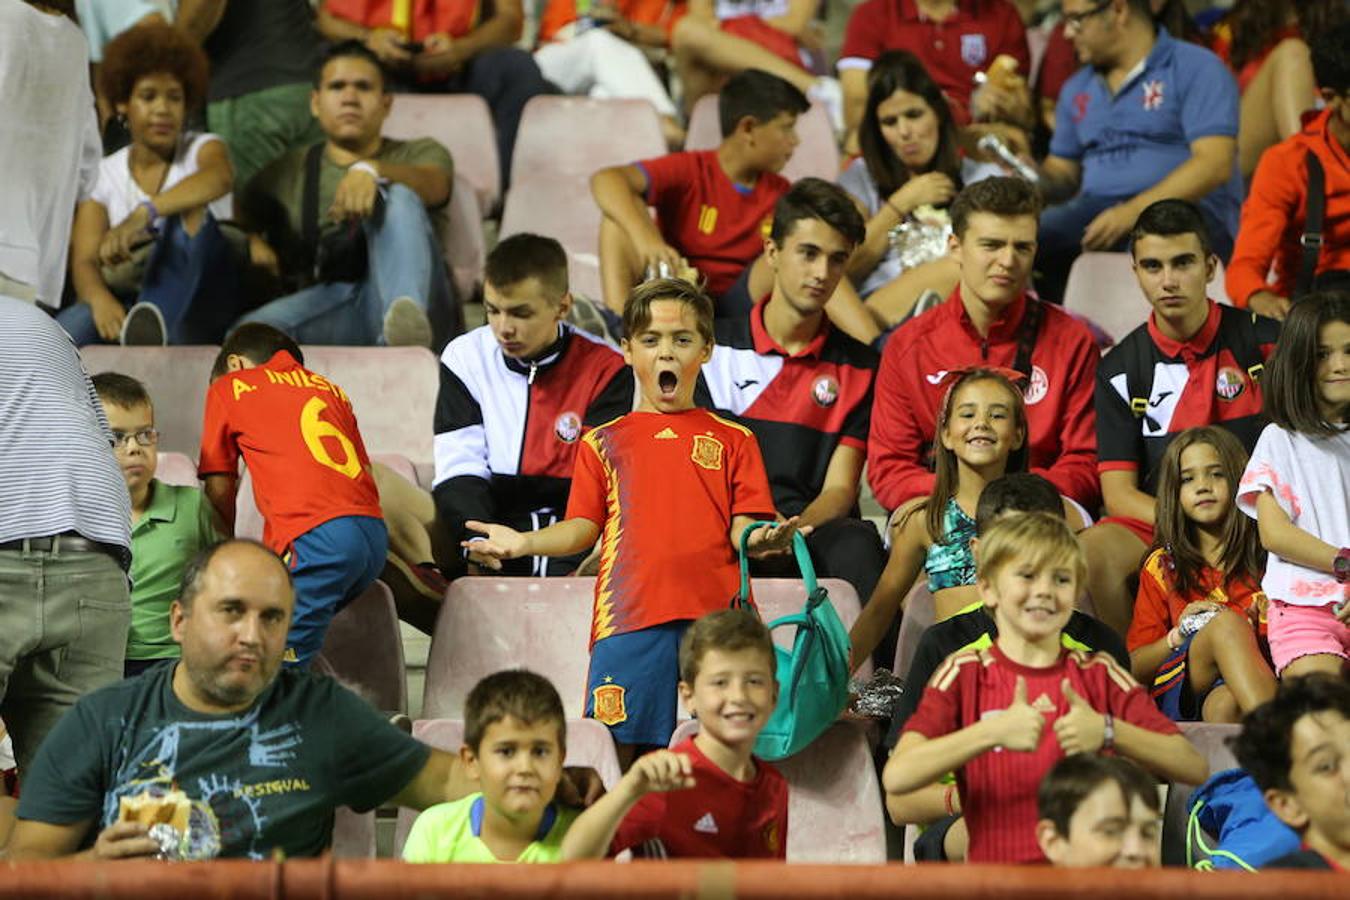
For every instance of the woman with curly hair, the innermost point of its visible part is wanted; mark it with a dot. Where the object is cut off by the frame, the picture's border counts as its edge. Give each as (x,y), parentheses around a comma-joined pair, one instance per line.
(148,260)
(1265,43)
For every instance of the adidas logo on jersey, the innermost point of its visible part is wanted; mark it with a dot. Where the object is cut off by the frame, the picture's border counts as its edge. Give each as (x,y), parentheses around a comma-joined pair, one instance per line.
(706,824)
(666,434)
(1043,704)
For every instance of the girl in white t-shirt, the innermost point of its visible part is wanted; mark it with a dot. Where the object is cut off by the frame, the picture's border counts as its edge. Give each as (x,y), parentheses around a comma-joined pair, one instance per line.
(1297,487)
(167,188)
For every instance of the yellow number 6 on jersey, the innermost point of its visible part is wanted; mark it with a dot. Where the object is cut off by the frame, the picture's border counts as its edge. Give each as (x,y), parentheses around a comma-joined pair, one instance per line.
(313,430)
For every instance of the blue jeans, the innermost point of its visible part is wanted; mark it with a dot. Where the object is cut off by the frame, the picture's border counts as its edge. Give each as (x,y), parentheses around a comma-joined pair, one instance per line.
(191,278)
(405,261)
(1060,240)
(331,564)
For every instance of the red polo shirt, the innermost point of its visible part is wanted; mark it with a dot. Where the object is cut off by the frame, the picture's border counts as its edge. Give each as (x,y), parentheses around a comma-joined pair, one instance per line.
(952,50)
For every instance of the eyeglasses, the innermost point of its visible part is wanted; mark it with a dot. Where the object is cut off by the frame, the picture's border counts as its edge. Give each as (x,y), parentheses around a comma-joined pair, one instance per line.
(1076,20)
(146,437)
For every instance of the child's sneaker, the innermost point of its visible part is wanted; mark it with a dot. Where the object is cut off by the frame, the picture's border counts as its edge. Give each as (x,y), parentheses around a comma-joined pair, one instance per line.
(144,327)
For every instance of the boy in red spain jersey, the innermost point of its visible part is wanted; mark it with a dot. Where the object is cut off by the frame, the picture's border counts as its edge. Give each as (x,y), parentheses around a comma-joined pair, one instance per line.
(667,490)
(707,796)
(1002,717)
(311,477)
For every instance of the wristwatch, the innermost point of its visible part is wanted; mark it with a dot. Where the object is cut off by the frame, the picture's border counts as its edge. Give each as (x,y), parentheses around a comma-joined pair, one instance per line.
(1340,566)
(1108,731)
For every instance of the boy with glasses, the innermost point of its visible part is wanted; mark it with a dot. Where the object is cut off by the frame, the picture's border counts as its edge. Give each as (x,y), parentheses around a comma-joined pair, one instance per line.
(170,523)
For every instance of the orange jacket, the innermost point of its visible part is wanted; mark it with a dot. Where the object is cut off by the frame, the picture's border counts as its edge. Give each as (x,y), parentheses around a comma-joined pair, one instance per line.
(1272,217)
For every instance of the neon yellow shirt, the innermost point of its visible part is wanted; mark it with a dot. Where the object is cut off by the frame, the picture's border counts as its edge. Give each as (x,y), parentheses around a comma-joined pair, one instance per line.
(450,832)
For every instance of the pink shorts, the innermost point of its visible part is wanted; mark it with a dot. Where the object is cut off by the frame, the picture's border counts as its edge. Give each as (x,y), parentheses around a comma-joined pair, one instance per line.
(1297,631)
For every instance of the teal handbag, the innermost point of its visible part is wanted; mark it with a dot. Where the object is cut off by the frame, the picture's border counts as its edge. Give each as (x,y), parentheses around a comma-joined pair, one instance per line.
(813,676)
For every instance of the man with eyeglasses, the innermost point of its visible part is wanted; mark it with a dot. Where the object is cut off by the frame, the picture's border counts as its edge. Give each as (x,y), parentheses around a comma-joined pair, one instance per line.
(1147,118)
(170,523)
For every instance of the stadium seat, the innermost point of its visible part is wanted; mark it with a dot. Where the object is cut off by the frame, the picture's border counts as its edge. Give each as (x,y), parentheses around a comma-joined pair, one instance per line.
(1102,287)
(177,379)
(817,155)
(393,392)
(364,650)
(835,809)
(550,631)
(919,615)
(353,834)
(563,209)
(572,137)
(1212,742)
(176,468)
(463,124)
(588,744)
(464,247)
(397,462)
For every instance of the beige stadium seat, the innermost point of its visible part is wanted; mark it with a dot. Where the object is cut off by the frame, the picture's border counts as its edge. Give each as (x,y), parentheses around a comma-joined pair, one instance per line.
(176,468)
(918,616)
(1102,287)
(177,379)
(588,745)
(363,649)
(572,137)
(463,124)
(393,392)
(817,155)
(835,810)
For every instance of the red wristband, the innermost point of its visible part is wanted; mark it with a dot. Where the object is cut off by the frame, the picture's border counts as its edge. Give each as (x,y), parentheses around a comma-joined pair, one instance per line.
(947,799)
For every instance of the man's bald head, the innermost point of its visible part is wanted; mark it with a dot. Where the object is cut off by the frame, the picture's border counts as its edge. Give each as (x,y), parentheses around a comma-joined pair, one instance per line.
(234,552)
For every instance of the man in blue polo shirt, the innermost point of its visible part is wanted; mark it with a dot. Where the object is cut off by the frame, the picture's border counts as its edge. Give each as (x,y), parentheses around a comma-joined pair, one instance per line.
(1147,118)
(804,387)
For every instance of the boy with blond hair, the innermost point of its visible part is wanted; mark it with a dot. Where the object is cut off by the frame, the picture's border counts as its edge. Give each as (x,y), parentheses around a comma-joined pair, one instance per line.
(1004,715)
(665,466)
(708,796)
(515,740)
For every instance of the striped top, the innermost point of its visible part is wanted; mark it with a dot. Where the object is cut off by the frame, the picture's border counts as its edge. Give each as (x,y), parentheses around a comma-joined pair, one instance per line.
(56,461)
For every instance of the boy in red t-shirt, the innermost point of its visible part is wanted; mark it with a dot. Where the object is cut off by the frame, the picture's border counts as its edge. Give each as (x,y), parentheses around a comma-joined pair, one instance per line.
(708,796)
(667,489)
(311,477)
(978,714)
(713,207)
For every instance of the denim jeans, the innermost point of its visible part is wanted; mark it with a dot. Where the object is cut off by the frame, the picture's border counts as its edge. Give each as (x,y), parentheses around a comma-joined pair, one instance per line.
(405,261)
(63,633)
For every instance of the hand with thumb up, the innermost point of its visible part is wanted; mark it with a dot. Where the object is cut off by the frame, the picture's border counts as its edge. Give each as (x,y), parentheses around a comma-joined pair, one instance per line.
(1082,729)
(1019,726)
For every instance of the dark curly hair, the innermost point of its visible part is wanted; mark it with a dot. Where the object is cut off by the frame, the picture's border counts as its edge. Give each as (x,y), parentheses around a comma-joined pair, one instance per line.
(150,50)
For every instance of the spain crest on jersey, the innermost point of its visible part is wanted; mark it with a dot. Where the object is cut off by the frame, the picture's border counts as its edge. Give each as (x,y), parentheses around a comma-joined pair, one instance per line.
(707,451)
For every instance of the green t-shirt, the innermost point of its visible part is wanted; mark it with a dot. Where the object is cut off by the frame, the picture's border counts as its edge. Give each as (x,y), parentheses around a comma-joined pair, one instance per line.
(273,200)
(263,779)
(177,525)
(449,832)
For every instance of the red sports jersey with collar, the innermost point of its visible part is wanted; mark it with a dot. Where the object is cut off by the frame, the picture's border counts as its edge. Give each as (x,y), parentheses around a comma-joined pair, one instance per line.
(425,17)
(998,788)
(952,50)
(298,436)
(1159,603)
(664,488)
(718,817)
(717,226)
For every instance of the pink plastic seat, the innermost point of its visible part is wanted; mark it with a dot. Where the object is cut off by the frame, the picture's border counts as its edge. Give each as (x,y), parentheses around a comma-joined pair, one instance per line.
(785,596)
(393,392)
(1211,739)
(572,137)
(817,155)
(835,811)
(1103,288)
(364,650)
(488,624)
(177,379)
(463,124)
(176,468)
(353,834)
(588,745)
(918,617)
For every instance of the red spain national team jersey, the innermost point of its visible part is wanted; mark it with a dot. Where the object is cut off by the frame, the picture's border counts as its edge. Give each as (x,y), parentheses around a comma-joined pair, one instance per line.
(998,788)
(663,487)
(298,436)
(717,817)
(717,226)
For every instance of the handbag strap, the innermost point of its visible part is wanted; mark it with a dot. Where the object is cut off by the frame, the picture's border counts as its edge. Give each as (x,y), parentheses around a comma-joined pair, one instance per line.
(309,204)
(1311,239)
(804,564)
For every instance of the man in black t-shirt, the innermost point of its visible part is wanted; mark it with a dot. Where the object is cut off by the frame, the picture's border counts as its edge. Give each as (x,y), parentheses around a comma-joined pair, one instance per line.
(262,757)
(1297,749)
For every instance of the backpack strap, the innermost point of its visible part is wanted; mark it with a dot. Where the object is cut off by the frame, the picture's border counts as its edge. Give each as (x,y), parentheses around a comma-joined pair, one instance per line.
(1311,239)
(309,204)
(1027,332)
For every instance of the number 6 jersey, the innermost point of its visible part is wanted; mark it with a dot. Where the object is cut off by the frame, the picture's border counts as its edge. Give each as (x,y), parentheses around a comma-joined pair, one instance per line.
(298,436)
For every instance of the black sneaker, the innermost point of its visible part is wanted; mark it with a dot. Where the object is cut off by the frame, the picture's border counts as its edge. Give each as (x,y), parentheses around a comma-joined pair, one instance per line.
(144,327)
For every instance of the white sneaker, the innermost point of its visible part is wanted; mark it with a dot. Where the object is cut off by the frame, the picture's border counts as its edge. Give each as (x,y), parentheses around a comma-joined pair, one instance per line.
(830,94)
(406,324)
(144,327)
